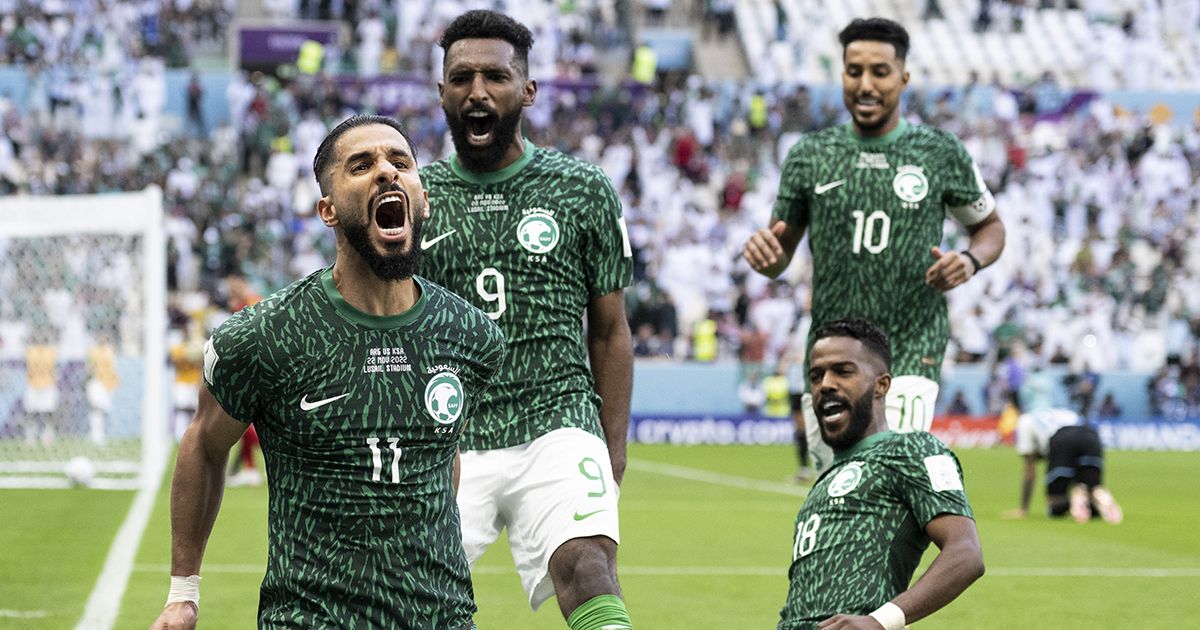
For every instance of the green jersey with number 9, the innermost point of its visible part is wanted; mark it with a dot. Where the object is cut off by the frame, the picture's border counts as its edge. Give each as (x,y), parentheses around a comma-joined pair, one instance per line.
(530,245)
(873,208)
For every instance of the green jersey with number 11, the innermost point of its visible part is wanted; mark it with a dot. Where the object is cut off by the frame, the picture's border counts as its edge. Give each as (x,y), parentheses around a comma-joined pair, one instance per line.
(530,245)
(873,208)
(359,417)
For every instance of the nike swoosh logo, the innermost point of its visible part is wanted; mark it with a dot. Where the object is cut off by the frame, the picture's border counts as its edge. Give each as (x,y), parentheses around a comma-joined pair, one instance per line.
(580,517)
(426,243)
(824,188)
(309,406)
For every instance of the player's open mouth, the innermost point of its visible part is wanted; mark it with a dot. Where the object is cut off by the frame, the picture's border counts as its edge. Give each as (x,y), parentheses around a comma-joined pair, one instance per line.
(833,411)
(391,214)
(479,126)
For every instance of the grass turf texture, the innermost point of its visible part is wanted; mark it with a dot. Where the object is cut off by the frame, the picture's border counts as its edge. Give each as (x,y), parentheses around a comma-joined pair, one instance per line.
(706,544)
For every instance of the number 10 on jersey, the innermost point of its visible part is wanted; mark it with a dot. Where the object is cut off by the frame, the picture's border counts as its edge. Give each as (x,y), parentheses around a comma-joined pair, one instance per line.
(871,231)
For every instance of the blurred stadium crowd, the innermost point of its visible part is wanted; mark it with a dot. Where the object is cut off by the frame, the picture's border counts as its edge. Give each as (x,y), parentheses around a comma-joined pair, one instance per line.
(1100,205)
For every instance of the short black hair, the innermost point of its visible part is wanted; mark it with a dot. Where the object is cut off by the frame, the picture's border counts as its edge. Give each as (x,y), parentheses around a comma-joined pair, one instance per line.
(484,24)
(324,158)
(876,30)
(866,332)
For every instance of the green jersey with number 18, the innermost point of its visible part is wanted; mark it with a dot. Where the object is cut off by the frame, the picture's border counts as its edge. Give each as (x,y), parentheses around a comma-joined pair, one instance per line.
(861,531)
(359,417)
(531,245)
(873,208)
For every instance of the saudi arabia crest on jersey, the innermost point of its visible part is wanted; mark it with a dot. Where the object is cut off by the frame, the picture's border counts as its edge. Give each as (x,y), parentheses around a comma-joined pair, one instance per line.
(444,397)
(910,185)
(846,479)
(538,231)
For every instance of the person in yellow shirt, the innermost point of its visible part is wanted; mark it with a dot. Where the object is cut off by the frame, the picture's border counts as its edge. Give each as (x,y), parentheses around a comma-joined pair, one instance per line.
(41,391)
(102,384)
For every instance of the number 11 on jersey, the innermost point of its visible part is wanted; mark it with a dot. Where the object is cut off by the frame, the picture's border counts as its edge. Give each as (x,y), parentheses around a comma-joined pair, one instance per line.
(377,458)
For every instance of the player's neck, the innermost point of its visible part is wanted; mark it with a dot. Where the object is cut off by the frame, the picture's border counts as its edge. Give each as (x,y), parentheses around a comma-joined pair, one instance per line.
(880,132)
(366,292)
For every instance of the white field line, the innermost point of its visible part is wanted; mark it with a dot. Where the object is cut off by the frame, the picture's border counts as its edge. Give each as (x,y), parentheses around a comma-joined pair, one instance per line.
(23,614)
(715,478)
(100,613)
(780,571)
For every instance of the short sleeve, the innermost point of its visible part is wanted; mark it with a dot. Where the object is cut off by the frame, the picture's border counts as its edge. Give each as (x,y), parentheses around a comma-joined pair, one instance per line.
(233,367)
(966,195)
(792,202)
(933,483)
(608,262)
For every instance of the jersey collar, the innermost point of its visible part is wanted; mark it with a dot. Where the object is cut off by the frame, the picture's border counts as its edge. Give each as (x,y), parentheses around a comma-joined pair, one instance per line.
(886,138)
(494,177)
(377,322)
(862,445)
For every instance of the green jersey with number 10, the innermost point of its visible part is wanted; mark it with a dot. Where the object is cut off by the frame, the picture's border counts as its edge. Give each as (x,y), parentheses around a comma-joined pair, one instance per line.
(530,245)
(873,208)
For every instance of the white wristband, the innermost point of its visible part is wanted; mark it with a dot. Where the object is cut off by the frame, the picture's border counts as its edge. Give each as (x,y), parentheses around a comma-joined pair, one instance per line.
(184,589)
(890,616)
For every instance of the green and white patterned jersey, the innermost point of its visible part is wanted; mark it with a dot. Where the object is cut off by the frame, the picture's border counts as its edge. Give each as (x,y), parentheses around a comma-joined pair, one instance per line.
(359,417)
(531,245)
(861,531)
(873,208)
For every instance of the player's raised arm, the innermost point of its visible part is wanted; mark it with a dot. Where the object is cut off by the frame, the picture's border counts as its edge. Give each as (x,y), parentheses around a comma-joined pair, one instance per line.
(951,269)
(610,351)
(196,490)
(769,250)
(958,564)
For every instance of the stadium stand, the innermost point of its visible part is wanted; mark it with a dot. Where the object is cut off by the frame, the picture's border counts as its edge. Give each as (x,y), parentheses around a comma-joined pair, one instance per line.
(1101,202)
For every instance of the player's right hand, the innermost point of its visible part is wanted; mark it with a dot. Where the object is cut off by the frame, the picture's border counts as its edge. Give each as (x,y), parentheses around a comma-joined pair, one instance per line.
(177,616)
(763,250)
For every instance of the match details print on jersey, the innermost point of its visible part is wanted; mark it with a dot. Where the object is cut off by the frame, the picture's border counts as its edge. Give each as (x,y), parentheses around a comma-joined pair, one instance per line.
(530,245)
(873,208)
(359,418)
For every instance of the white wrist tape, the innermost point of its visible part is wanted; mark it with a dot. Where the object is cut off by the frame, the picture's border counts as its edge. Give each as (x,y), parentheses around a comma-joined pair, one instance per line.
(184,589)
(890,616)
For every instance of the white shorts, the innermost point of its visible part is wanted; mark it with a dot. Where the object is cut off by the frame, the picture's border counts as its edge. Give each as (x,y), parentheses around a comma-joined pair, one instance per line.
(98,395)
(41,399)
(910,402)
(548,491)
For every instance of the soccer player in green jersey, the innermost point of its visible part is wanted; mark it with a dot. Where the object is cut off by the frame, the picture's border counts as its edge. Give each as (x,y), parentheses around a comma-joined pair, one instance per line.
(869,517)
(360,379)
(535,239)
(872,196)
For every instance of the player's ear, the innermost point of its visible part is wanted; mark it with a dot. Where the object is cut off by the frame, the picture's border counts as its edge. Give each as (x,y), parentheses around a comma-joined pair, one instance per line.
(425,195)
(883,383)
(441,91)
(327,211)
(530,92)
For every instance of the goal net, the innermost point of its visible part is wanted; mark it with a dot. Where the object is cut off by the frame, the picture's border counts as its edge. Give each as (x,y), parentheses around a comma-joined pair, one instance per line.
(82,330)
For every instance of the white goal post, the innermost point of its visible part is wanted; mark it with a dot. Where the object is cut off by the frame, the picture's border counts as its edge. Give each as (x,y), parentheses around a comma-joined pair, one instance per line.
(82,340)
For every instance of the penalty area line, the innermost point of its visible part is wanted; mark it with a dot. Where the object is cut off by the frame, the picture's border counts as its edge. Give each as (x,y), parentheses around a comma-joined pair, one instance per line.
(715,478)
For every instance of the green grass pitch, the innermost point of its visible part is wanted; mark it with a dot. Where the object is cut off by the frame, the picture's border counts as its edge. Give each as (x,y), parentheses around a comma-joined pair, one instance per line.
(706,541)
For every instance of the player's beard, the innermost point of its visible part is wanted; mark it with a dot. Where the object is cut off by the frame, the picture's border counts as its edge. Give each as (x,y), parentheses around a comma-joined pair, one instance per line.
(395,264)
(486,158)
(861,414)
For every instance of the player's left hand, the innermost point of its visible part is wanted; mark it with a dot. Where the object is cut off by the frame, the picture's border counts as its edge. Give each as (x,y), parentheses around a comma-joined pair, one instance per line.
(949,270)
(848,622)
